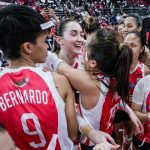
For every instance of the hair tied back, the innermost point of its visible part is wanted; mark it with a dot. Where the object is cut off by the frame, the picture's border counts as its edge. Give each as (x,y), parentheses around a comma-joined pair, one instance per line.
(120,46)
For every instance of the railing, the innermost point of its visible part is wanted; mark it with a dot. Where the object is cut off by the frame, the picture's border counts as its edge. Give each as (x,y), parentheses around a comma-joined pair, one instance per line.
(141,11)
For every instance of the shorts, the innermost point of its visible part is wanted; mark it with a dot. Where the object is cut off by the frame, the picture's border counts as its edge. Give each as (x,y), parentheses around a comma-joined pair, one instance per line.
(137,142)
(121,116)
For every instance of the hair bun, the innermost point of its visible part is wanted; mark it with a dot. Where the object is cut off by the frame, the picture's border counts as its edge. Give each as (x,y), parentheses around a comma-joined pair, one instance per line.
(90,20)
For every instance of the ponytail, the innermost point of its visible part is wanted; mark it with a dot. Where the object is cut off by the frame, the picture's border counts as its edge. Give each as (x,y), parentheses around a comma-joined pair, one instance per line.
(122,70)
(113,59)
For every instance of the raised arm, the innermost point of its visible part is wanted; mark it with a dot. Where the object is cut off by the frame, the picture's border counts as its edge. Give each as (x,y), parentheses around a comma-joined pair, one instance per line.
(79,79)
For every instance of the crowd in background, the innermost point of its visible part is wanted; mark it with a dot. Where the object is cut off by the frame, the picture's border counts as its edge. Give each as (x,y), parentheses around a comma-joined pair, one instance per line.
(75,21)
(94,13)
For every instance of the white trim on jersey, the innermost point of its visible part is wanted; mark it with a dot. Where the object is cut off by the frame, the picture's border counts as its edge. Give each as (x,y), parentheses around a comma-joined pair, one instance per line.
(93,116)
(64,140)
(143,69)
(52,144)
(65,143)
(133,70)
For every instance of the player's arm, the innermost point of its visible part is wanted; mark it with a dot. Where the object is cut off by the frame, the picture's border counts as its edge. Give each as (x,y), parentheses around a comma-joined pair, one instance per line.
(144,117)
(138,101)
(79,79)
(65,91)
(70,111)
(95,136)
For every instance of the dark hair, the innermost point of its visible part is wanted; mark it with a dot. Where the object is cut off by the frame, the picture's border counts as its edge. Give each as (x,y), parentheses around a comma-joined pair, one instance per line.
(60,31)
(90,25)
(113,58)
(139,35)
(18,24)
(146,31)
(138,19)
(61,26)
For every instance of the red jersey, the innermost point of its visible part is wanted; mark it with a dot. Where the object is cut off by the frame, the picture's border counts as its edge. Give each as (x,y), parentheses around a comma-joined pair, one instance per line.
(101,116)
(135,75)
(32,111)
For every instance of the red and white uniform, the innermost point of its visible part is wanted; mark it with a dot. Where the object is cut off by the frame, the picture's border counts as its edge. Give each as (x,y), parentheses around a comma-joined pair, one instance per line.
(101,116)
(141,96)
(78,62)
(135,75)
(32,111)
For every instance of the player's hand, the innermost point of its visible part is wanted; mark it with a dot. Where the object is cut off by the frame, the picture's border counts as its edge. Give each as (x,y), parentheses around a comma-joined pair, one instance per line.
(100,137)
(106,146)
(138,124)
(53,61)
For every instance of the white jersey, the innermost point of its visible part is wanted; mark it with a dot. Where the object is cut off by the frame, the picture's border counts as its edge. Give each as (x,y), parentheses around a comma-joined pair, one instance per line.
(141,96)
(78,62)
(101,116)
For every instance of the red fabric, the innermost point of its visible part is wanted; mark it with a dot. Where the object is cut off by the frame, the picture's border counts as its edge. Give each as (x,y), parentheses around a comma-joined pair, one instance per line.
(31,89)
(109,110)
(133,79)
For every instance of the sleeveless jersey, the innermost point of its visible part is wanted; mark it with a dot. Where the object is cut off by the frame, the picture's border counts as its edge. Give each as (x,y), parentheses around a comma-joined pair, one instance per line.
(142,97)
(78,64)
(135,75)
(32,111)
(101,116)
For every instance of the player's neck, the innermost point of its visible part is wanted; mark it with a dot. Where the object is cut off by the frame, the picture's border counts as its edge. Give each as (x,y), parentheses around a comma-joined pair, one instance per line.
(68,58)
(133,65)
(20,63)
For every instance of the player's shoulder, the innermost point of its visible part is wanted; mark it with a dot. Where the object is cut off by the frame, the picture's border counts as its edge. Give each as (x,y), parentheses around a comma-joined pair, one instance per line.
(58,78)
(61,83)
(146,70)
(143,82)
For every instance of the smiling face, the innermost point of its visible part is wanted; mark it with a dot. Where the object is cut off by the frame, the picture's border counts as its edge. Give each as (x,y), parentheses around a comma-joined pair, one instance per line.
(130,24)
(72,40)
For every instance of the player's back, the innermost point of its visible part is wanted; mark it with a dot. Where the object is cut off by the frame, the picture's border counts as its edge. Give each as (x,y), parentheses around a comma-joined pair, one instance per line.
(31,109)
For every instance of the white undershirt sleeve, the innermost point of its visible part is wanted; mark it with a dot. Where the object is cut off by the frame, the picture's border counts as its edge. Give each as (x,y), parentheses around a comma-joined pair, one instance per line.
(139,93)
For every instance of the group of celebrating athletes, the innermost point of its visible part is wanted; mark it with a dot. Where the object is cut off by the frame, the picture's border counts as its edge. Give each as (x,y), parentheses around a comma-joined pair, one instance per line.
(38,103)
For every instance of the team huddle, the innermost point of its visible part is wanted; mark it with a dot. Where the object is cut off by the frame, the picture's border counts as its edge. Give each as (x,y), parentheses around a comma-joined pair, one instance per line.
(91,94)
